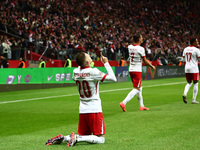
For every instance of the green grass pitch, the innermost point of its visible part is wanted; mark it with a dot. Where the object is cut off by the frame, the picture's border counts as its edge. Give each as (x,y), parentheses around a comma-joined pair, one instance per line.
(29,118)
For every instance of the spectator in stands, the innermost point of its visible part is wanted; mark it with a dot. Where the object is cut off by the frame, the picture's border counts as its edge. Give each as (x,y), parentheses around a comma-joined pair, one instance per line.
(163,60)
(6,48)
(23,46)
(118,53)
(63,20)
(18,49)
(3,62)
(1,47)
(37,44)
(70,48)
(159,62)
(93,55)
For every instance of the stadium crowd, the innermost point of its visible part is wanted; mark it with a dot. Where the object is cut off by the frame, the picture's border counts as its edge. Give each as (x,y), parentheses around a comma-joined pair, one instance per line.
(69,26)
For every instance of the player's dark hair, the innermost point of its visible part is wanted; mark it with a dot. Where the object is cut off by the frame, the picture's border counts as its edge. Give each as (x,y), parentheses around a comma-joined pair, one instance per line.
(136,37)
(80,59)
(192,41)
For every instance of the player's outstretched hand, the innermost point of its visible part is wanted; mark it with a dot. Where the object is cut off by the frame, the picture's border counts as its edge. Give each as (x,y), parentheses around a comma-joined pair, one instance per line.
(153,67)
(103,59)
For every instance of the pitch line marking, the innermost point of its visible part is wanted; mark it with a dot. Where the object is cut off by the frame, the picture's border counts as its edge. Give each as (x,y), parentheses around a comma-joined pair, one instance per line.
(33,99)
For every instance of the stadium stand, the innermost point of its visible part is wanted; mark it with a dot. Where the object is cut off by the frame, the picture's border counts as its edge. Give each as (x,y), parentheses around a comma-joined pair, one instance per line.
(69,26)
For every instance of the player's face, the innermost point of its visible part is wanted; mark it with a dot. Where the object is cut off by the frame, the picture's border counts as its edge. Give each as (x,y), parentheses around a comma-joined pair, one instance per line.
(196,43)
(88,59)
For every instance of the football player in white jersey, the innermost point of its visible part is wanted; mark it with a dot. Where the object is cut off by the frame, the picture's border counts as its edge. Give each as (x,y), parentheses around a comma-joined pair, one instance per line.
(136,55)
(191,55)
(91,126)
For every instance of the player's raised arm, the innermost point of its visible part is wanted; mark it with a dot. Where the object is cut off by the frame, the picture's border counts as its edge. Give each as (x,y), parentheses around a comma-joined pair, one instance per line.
(111,75)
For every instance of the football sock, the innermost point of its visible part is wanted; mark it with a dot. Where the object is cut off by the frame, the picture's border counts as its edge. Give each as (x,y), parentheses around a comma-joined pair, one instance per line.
(187,87)
(195,91)
(90,139)
(66,138)
(140,98)
(130,95)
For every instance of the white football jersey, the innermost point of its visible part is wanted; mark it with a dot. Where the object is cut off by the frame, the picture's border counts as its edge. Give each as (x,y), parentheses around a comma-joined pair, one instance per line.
(136,53)
(191,55)
(87,81)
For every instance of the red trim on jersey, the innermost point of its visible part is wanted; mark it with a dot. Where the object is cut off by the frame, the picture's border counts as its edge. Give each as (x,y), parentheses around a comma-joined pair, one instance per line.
(85,67)
(135,44)
(103,78)
(143,56)
(191,46)
(96,86)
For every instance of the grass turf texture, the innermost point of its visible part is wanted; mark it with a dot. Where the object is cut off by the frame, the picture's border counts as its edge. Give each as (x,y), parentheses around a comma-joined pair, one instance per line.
(170,124)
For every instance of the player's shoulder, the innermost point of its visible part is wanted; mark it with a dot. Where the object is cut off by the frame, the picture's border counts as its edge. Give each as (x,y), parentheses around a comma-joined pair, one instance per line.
(94,70)
(187,48)
(140,48)
(76,69)
(196,49)
(130,46)
(191,49)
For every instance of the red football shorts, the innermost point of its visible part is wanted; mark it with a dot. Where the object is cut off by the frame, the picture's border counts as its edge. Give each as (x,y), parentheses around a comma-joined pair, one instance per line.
(192,76)
(91,123)
(136,78)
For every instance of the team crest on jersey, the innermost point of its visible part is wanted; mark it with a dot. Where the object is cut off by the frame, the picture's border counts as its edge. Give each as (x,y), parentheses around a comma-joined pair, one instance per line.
(101,73)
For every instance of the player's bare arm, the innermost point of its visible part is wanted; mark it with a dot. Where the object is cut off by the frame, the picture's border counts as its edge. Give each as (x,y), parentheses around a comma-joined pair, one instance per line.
(148,63)
(103,59)
(111,75)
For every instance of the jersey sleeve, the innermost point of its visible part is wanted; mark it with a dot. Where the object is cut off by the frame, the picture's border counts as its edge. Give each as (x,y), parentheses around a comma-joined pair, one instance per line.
(111,75)
(142,52)
(98,75)
(73,76)
(198,53)
(183,53)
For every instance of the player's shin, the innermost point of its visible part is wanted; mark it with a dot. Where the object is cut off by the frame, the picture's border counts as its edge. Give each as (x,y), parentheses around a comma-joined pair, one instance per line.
(140,98)
(130,95)
(195,91)
(91,139)
(66,138)
(187,87)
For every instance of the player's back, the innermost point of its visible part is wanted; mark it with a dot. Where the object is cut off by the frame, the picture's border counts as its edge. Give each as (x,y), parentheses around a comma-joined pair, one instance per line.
(136,53)
(191,55)
(87,81)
